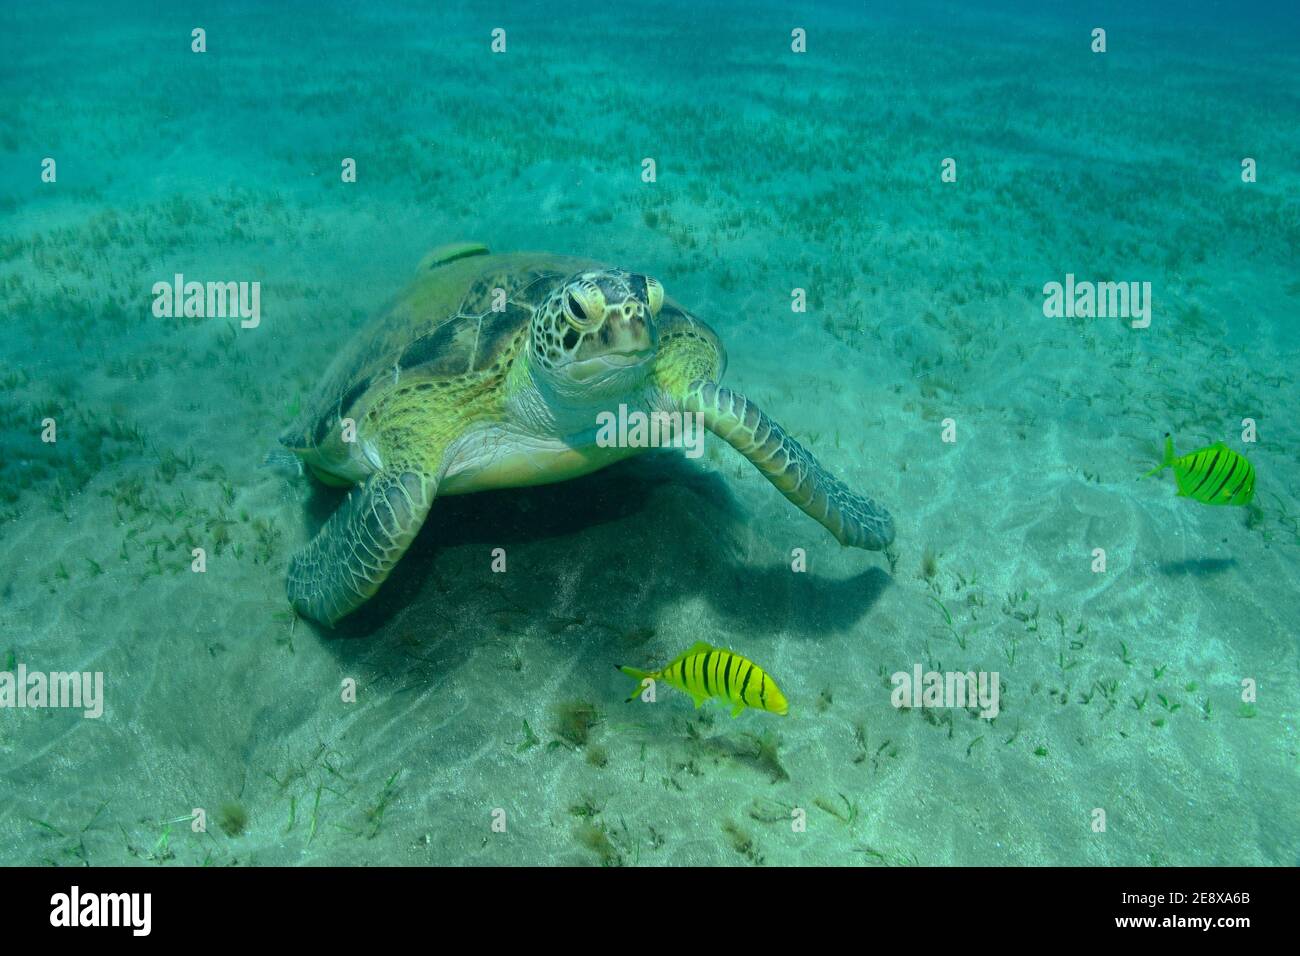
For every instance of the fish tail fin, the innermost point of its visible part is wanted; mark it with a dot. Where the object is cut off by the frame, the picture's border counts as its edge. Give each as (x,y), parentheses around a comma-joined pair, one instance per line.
(1169,457)
(639,676)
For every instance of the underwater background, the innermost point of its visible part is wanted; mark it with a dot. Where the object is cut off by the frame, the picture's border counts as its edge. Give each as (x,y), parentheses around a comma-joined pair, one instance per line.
(487,698)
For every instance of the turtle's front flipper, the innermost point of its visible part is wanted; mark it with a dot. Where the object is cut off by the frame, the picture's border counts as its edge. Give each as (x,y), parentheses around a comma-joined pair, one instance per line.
(854,520)
(352,554)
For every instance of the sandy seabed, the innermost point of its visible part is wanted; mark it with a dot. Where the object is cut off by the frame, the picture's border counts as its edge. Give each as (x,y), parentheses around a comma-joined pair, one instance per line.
(487,697)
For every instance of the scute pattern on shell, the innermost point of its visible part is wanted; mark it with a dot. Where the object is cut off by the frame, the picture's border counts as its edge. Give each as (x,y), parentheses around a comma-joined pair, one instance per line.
(435,331)
(527,288)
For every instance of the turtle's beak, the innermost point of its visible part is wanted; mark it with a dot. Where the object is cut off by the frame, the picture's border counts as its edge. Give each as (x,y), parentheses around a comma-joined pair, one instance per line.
(606,364)
(627,338)
(628,330)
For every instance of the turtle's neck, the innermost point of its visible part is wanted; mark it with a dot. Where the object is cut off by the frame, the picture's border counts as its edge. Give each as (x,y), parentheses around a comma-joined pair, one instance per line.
(544,404)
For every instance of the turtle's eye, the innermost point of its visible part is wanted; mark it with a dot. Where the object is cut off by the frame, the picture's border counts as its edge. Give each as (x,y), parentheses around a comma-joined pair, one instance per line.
(654,294)
(583,308)
(575,308)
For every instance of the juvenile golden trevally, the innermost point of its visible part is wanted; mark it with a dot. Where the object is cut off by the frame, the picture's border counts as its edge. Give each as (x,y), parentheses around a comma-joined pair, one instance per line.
(1215,475)
(707,672)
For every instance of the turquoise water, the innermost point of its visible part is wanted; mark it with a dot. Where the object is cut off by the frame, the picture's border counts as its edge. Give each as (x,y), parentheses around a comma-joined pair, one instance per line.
(465,715)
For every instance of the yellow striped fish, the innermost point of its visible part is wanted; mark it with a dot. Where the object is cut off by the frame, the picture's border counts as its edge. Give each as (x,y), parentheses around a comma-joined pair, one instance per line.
(1215,475)
(707,672)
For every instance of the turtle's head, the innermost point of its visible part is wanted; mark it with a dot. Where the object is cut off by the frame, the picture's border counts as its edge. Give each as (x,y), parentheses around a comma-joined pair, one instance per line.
(596,331)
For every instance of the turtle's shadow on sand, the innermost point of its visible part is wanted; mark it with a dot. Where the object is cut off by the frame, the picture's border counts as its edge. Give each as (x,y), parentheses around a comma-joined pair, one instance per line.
(618,550)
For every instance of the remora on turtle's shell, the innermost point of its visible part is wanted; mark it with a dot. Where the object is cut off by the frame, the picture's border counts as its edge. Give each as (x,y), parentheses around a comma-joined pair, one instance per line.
(490,371)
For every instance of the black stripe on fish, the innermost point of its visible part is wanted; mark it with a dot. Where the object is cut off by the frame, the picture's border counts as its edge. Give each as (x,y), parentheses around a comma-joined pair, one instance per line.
(1247,478)
(745,686)
(1226,478)
(1204,478)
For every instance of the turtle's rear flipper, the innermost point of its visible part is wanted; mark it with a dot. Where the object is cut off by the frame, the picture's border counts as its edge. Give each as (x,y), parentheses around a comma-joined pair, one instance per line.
(352,554)
(854,520)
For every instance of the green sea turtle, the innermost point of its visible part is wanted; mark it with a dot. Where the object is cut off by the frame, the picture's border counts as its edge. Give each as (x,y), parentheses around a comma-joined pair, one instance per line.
(489,371)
